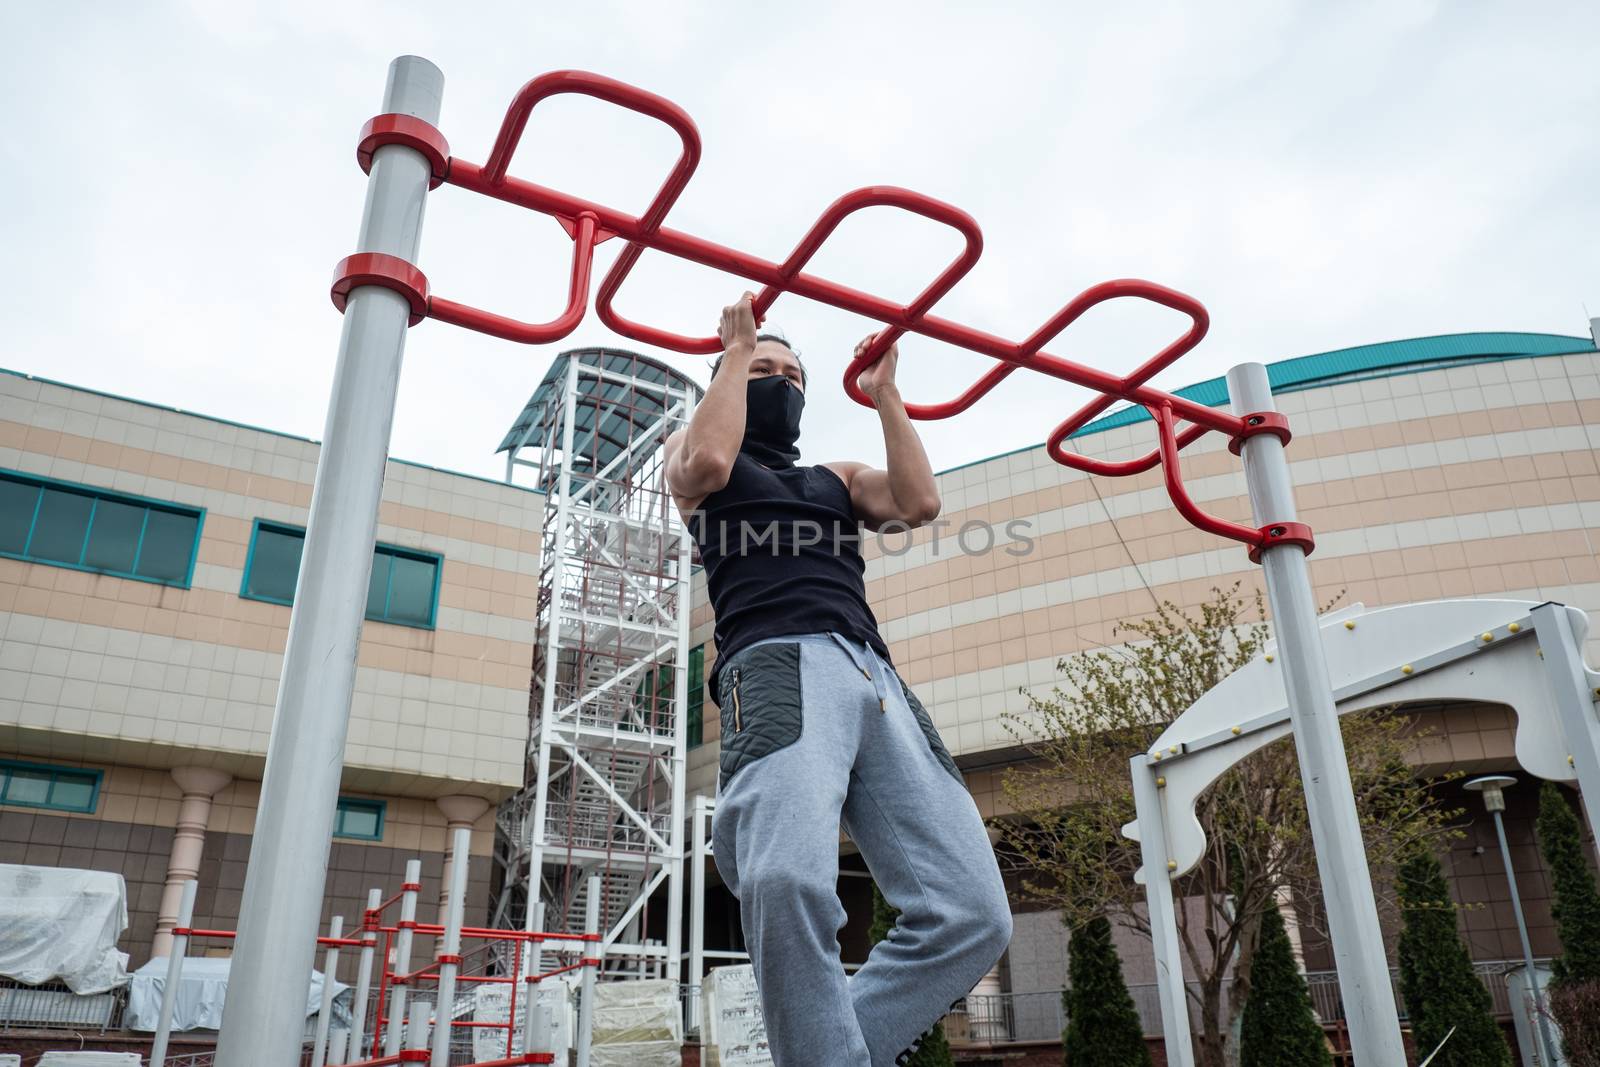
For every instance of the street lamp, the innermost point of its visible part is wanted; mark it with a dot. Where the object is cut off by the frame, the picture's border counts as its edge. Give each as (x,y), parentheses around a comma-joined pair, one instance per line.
(1492,787)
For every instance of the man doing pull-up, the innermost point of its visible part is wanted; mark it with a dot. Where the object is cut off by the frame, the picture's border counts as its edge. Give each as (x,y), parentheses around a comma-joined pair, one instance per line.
(818,730)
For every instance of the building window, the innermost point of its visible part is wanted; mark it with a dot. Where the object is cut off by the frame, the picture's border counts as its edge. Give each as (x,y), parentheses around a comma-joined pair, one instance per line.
(67,525)
(359,819)
(404,588)
(697,696)
(37,785)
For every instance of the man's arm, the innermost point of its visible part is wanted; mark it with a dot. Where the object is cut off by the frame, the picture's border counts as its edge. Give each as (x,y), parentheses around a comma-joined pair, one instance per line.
(700,456)
(905,492)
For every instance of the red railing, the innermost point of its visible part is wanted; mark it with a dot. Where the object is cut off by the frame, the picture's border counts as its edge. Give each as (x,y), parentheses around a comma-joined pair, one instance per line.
(372,923)
(1178,421)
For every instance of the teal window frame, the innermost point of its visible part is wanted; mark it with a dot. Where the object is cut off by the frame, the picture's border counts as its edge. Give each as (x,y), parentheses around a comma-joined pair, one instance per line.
(362,804)
(380,551)
(7,766)
(96,495)
(695,730)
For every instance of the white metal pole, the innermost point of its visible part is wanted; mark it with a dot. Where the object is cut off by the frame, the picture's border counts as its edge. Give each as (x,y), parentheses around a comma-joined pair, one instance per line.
(338,1046)
(330,964)
(532,963)
(1171,992)
(680,738)
(1573,690)
(460,851)
(169,991)
(369,943)
(416,1028)
(275,947)
(402,960)
(1547,1051)
(1357,937)
(547,701)
(697,910)
(591,925)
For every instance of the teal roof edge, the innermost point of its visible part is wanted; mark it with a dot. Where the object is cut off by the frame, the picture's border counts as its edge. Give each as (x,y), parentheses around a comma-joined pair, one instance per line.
(1376,360)
(1303,372)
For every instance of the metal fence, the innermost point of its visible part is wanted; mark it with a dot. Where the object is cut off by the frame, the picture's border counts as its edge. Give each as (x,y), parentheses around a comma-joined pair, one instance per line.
(998,1018)
(53,1006)
(1039,1016)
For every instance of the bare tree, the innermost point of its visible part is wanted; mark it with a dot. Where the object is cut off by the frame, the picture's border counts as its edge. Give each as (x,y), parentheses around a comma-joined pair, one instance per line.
(1071,801)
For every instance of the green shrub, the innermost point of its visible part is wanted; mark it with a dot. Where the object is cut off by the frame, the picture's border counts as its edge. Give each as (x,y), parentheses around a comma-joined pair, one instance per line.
(1576,906)
(1102,1024)
(1279,1027)
(1436,977)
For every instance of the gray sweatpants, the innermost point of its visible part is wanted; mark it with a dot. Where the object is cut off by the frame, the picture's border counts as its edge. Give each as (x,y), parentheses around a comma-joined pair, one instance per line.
(818,731)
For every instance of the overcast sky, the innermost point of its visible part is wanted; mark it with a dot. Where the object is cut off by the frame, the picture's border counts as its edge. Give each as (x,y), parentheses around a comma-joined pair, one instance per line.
(180,179)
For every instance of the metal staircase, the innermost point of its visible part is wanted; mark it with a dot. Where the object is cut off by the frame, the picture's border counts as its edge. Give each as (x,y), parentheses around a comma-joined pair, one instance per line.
(605,791)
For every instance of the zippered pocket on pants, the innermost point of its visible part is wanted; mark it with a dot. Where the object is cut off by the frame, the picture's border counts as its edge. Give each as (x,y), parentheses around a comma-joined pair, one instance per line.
(760,704)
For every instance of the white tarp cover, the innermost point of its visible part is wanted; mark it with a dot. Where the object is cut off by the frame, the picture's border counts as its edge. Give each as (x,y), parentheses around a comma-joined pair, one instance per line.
(637,1024)
(202,988)
(733,1032)
(62,924)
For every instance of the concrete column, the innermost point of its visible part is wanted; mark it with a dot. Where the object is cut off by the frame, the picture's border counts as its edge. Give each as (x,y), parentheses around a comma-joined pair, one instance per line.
(460,812)
(199,785)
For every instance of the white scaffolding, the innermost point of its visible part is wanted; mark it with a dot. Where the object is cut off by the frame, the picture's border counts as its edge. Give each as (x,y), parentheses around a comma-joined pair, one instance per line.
(611,664)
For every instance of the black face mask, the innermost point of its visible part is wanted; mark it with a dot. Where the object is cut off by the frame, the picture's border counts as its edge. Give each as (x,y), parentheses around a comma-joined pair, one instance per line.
(772,408)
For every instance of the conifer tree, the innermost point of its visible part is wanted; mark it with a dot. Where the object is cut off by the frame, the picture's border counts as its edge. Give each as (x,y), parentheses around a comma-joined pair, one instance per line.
(1436,976)
(1102,1024)
(1577,903)
(934,1051)
(1279,1027)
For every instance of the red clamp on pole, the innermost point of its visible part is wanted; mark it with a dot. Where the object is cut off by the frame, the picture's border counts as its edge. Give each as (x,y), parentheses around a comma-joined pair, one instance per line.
(410,131)
(390,272)
(1283,533)
(442,960)
(1273,422)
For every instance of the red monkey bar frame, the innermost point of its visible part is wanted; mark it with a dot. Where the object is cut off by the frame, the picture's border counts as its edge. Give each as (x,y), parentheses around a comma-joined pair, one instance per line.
(1179,422)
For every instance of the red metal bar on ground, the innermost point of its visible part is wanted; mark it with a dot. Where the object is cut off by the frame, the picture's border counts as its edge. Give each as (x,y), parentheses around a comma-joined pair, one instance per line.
(558,970)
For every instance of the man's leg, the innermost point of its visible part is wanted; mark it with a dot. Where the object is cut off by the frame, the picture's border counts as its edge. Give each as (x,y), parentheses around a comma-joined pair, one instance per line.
(922,837)
(789,739)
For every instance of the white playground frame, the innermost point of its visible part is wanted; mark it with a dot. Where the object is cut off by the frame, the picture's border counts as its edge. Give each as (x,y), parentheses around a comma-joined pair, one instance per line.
(1518,653)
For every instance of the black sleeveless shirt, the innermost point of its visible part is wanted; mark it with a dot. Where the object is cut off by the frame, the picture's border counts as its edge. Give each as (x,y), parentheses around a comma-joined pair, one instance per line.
(782,553)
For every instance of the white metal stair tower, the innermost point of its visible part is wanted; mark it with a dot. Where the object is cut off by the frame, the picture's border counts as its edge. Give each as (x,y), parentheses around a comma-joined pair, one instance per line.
(605,787)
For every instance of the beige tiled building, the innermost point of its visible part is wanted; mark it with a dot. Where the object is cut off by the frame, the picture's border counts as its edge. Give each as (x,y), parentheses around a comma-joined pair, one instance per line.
(1441,467)
(143,615)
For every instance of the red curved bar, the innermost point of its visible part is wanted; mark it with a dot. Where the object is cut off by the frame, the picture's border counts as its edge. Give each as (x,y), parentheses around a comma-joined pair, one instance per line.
(1181,500)
(590,223)
(1115,468)
(527,333)
(910,314)
(634,99)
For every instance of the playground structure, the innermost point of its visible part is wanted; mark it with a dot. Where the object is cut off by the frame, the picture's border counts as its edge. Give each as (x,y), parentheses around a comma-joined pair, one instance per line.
(1526,656)
(383,293)
(401,1015)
